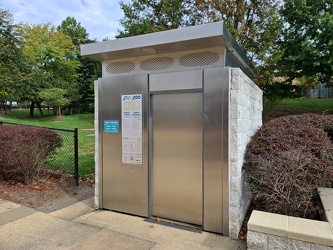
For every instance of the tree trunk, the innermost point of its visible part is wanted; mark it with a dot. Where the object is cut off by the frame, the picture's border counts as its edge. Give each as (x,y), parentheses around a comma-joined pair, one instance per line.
(32,106)
(57,111)
(40,109)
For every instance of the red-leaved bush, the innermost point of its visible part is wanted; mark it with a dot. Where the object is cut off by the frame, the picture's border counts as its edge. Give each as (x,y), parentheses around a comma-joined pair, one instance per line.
(287,160)
(24,149)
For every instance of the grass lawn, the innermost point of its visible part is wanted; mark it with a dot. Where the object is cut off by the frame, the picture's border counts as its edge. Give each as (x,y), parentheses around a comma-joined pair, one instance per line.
(298,106)
(80,121)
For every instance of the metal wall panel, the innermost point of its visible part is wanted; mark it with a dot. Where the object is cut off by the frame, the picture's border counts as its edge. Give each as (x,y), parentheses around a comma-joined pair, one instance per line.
(99,157)
(125,187)
(176,81)
(216,173)
(177,156)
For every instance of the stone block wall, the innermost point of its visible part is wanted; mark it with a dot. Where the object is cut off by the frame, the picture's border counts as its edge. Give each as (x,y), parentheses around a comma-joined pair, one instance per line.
(261,241)
(245,118)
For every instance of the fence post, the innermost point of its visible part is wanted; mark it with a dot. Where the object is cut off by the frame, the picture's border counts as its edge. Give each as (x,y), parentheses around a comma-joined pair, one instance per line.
(76,156)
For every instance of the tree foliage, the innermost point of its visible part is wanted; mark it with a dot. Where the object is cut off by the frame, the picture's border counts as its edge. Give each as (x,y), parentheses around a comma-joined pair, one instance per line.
(88,71)
(307,41)
(54,97)
(255,24)
(37,57)
(72,28)
(52,52)
(143,16)
(10,57)
(51,60)
(276,91)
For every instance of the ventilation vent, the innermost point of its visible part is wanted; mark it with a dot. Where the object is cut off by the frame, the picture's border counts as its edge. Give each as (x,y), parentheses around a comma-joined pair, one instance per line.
(120,67)
(157,63)
(199,59)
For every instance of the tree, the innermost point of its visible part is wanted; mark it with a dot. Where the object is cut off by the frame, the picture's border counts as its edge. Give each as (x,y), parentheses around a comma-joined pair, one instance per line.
(276,91)
(72,28)
(54,97)
(145,16)
(88,71)
(307,41)
(10,58)
(307,84)
(52,62)
(255,24)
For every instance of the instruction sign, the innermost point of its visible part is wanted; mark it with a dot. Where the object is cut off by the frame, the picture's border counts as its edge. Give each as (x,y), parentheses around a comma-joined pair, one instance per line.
(131,128)
(111,126)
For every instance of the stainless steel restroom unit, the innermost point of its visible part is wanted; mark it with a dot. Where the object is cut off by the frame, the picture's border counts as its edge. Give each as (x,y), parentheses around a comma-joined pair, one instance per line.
(162,106)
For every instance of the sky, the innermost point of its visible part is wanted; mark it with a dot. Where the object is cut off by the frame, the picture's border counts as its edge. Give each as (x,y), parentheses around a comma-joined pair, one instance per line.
(100,18)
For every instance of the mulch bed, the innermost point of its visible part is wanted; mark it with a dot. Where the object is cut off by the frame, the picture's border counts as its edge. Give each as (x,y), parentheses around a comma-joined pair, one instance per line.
(46,189)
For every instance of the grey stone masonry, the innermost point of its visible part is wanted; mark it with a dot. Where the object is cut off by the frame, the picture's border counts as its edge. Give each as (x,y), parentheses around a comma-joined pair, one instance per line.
(245,118)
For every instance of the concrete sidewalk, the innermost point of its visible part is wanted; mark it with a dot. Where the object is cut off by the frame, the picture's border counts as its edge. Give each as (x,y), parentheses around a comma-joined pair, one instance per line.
(81,227)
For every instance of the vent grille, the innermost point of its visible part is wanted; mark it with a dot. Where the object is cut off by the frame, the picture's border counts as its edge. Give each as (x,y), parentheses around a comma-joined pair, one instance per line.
(157,63)
(199,59)
(120,67)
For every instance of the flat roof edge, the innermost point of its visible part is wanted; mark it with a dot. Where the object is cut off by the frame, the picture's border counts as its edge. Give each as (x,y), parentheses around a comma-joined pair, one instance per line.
(194,35)
(239,53)
(157,38)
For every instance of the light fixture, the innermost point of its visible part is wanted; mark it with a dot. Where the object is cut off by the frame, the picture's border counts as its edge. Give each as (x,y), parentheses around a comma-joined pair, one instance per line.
(149,50)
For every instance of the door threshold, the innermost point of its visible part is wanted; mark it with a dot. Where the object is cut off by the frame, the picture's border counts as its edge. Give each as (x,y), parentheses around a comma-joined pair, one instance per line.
(176,222)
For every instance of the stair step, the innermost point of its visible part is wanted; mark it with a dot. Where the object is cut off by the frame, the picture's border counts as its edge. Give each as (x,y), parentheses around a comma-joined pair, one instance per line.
(76,210)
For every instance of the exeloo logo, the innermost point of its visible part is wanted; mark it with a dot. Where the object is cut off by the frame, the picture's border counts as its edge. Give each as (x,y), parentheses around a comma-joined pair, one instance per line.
(131,97)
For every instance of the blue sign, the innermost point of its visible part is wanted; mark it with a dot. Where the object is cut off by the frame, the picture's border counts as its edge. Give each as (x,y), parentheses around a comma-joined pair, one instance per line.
(111,126)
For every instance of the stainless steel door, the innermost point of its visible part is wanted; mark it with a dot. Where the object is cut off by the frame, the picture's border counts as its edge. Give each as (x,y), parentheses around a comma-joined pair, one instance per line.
(177,129)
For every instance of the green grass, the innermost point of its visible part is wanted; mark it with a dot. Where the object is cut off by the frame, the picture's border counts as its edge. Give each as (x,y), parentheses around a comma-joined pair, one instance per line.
(80,121)
(298,106)
(309,105)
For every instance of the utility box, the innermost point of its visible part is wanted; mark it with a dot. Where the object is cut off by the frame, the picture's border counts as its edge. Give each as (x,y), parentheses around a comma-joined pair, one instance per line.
(174,111)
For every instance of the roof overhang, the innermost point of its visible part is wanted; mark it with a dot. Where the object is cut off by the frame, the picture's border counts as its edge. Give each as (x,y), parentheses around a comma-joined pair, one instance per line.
(182,39)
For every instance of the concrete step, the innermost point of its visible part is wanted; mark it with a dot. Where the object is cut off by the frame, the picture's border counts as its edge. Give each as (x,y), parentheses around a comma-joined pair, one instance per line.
(76,210)
(10,212)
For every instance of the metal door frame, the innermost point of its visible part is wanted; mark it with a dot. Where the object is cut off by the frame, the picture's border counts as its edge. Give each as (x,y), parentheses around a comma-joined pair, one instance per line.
(214,84)
(169,82)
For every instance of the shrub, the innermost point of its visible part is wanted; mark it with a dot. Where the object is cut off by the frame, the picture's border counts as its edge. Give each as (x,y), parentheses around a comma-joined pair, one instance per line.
(287,159)
(24,149)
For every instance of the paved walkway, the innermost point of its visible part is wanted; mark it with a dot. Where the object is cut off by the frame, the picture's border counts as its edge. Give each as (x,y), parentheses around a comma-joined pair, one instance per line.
(81,227)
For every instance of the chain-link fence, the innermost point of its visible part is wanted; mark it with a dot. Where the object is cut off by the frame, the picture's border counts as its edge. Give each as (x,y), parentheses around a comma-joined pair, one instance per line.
(65,160)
